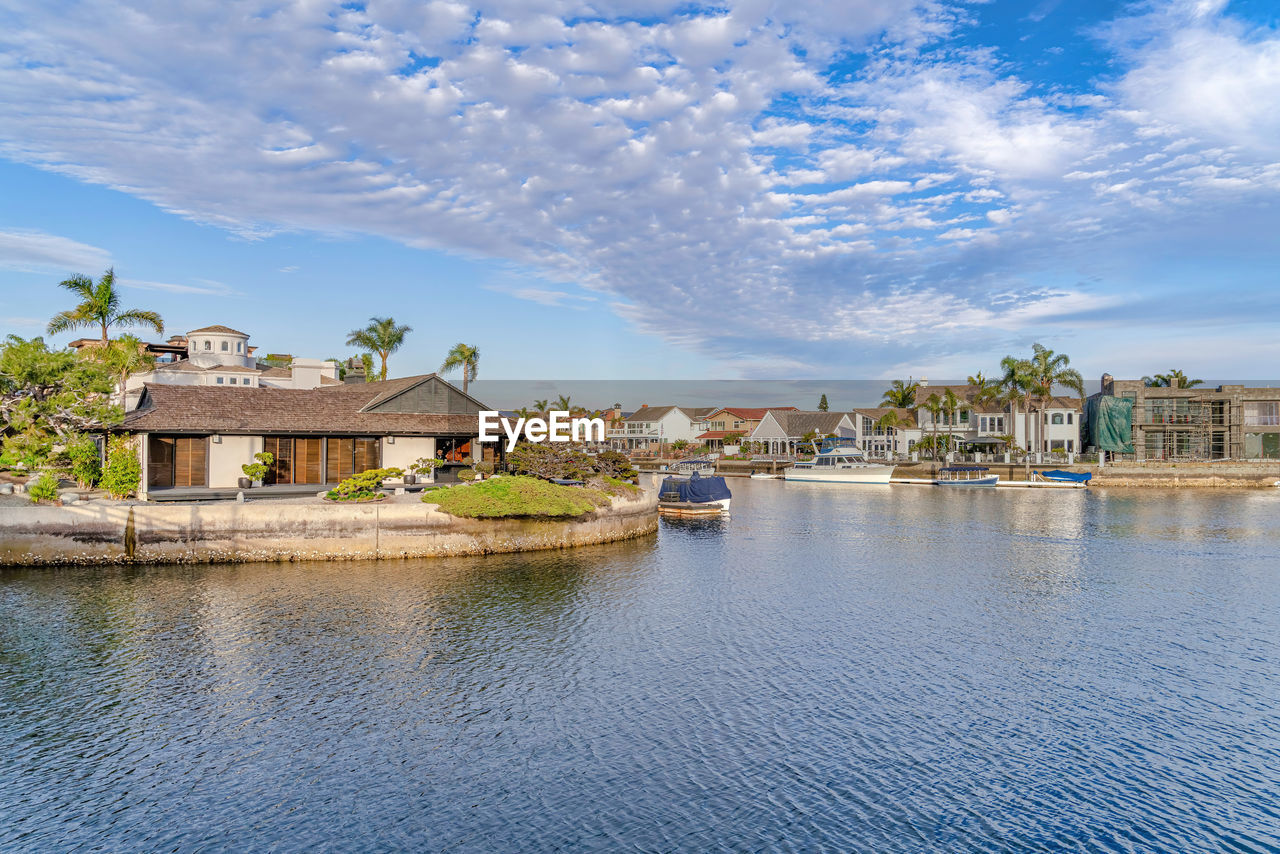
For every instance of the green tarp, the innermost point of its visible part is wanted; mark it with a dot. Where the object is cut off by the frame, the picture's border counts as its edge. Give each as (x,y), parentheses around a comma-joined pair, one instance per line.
(1109,423)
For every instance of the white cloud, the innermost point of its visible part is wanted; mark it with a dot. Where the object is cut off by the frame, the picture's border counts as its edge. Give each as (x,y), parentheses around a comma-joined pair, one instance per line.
(36,251)
(650,150)
(206,287)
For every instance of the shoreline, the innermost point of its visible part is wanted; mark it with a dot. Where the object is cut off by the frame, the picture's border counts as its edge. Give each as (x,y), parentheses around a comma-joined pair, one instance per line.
(109,533)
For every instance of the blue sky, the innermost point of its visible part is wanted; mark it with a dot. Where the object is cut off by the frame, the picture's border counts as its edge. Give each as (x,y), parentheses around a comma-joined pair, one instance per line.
(640,188)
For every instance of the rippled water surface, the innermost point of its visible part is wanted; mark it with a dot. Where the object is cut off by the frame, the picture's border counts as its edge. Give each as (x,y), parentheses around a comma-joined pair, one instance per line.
(834,668)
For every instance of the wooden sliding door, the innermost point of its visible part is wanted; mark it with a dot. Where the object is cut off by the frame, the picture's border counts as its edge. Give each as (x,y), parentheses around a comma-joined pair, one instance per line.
(340,458)
(281,468)
(176,460)
(308,461)
(367,454)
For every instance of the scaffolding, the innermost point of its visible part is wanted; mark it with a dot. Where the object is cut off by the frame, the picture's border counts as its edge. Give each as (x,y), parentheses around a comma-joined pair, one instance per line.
(1183,428)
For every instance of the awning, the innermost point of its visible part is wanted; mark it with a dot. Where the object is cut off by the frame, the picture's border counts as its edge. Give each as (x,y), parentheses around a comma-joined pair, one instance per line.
(983,440)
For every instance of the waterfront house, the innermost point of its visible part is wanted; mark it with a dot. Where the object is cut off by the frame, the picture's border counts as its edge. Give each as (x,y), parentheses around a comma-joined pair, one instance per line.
(980,423)
(783,430)
(881,441)
(651,427)
(221,356)
(200,436)
(733,420)
(1199,423)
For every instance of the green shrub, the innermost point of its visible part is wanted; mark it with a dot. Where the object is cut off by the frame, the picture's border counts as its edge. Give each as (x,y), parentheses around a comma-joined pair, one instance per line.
(485,469)
(517,496)
(123,473)
(365,486)
(466,474)
(550,460)
(618,486)
(615,464)
(43,488)
(259,469)
(86,461)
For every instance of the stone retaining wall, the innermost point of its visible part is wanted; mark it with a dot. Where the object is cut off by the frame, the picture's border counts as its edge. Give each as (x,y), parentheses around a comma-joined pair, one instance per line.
(107,533)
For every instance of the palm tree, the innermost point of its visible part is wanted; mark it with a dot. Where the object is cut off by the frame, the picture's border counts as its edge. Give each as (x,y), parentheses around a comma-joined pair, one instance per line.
(985,390)
(462,356)
(540,405)
(100,306)
(901,395)
(563,403)
(1174,379)
(1052,369)
(950,406)
(382,336)
(124,357)
(889,422)
(933,404)
(1019,382)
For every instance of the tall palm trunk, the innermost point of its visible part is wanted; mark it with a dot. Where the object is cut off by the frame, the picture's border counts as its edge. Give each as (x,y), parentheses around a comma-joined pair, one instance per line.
(1026,430)
(103,324)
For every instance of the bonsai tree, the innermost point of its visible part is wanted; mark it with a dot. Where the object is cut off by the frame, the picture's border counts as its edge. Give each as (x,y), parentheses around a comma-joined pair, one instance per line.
(257,471)
(425,465)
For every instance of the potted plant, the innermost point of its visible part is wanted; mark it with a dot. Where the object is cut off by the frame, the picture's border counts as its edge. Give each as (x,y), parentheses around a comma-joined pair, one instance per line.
(255,472)
(422,466)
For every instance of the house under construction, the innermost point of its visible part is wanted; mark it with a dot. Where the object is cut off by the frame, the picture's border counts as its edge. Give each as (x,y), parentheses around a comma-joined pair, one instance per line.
(1226,422)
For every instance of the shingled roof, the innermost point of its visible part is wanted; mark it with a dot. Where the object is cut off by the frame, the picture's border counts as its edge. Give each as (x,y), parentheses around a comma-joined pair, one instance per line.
(219,329)
(330,409)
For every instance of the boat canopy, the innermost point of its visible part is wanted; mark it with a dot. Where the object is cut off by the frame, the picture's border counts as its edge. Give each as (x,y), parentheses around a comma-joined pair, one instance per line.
(963,468)
(696,489)
(1073,476)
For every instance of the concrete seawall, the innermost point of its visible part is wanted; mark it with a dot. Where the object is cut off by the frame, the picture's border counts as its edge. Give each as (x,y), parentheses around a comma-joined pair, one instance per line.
(106,533)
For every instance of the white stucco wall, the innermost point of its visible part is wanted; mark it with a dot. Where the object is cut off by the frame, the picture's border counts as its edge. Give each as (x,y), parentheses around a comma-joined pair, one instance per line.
(406,450)
(226,458)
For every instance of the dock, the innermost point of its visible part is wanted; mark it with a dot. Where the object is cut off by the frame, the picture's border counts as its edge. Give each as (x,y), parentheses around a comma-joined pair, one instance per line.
(1035,484)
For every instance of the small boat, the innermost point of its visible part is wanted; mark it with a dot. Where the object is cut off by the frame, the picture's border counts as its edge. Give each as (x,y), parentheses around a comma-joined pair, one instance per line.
(766,476)
(965,476)
(1060,476)
(839,461)
(694,496)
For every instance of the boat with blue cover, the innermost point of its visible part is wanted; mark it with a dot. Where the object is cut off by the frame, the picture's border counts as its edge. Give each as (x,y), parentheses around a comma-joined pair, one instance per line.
(965,476)
(693,496)
(1060,476)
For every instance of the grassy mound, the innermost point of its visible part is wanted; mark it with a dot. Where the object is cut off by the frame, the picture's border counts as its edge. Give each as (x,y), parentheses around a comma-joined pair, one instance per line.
(514,496)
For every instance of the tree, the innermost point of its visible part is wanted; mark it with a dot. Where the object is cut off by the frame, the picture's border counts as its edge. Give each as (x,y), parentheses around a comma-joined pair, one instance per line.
(1051,369)
(901,395)
(889,422)
(1019,382)
(950,406)
(984,390)
(462,356)
(541,405)
(382,336)
(1174,379)
(822,404)
(124,357)
(933,404)
(564,404)
(47,397)
(100,306)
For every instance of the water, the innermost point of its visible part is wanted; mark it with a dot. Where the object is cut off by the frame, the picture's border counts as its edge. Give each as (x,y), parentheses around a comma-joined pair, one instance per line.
(834,668)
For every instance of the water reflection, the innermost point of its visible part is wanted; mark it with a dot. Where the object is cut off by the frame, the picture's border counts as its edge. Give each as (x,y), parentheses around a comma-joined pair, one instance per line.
(828,668)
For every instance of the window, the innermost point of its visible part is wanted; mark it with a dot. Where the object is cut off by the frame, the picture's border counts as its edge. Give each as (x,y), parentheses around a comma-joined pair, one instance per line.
(225,346)
(208,345)
(219,380)
(1057,418)
(964,416)
(1262,413)
(1069,417)
(239,346)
